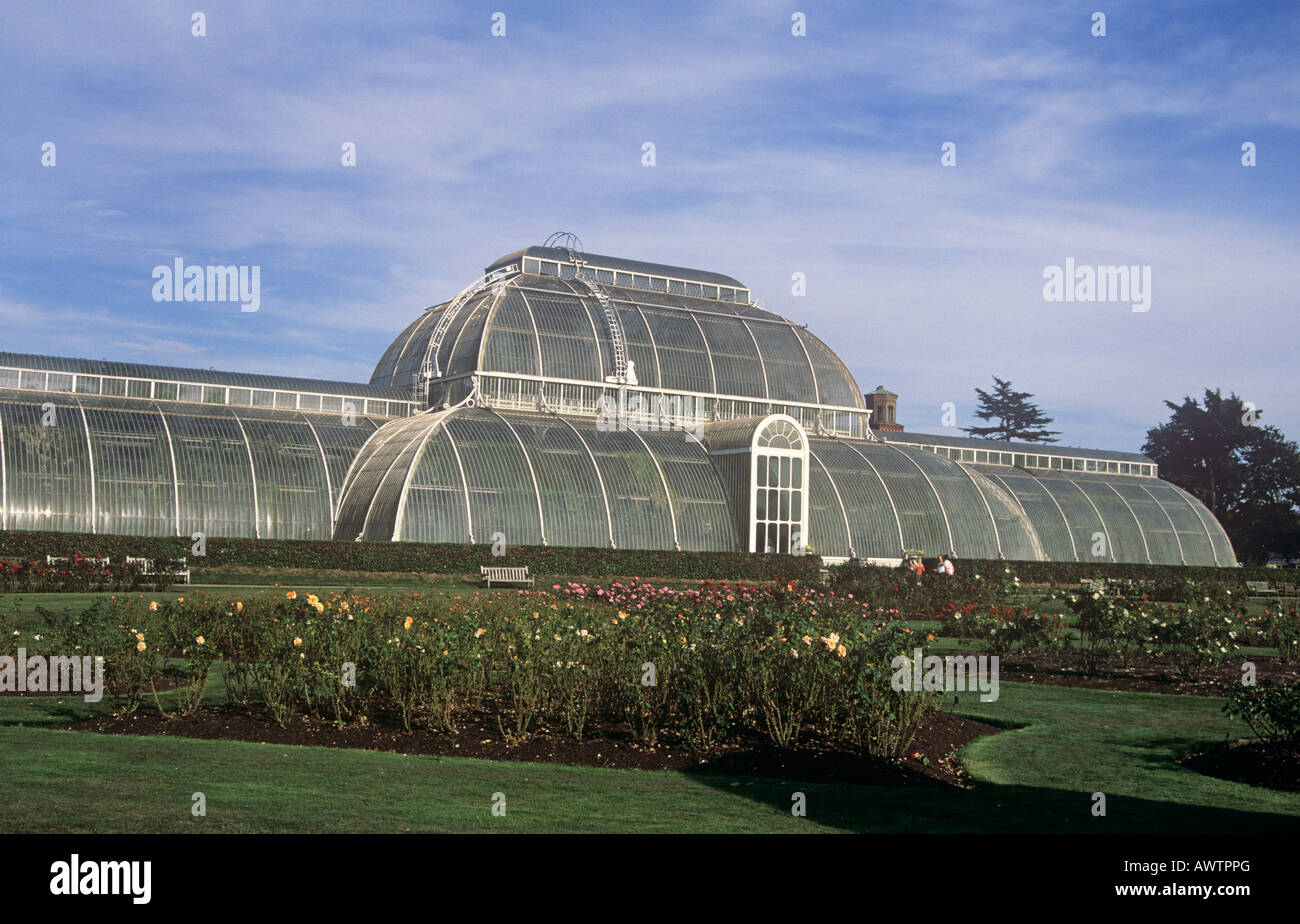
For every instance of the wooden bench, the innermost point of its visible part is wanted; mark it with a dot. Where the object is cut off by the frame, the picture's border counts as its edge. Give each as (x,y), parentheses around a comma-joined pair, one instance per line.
(506,575)
(1260,589)
(148,568)
(55,560)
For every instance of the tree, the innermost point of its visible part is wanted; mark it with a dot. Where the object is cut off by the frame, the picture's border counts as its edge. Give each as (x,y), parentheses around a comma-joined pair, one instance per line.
(1017,418)
(1246,473)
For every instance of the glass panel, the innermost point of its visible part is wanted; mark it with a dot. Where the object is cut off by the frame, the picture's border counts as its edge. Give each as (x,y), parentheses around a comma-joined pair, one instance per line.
(216,485)
(512,340)
(133,477)
(735,360)
(293,500)
(47,468)
(789,377)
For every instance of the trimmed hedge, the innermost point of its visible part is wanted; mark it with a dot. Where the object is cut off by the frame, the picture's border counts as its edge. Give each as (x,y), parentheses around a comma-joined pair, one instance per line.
(460,558)
(440,558)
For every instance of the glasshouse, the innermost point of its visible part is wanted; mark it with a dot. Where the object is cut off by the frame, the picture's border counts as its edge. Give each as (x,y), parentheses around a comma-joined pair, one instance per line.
(569,399)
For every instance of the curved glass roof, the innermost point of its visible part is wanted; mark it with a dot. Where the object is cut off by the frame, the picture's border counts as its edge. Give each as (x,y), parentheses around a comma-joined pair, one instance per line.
(166,468)
(468,473)
(556,328)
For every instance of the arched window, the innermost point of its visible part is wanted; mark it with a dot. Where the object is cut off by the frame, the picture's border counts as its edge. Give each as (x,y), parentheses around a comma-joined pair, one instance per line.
(779,496)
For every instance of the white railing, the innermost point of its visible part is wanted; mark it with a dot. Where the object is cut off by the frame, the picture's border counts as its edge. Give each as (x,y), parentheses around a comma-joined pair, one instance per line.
(429,369)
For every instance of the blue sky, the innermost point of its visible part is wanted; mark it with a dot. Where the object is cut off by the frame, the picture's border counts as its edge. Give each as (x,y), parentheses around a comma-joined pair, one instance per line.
(775,154)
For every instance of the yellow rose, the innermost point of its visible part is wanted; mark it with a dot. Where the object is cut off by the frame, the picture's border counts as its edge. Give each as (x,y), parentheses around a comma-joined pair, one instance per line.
(141,646)
(297,643)
(199,640)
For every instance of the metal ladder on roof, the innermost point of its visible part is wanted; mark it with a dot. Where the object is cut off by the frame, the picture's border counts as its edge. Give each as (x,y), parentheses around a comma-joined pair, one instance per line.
(429,369)
(618,343)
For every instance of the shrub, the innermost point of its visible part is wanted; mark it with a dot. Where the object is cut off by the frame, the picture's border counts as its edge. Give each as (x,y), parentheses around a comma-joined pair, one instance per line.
(1004,629)
(1281,630)
(1106,627)
(127,639)
(779,662)
(76,575)
(1272,710)
(1190,637)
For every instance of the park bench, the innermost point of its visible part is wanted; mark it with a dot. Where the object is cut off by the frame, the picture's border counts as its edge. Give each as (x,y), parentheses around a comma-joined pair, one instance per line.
(148,568)
(58,560)
(506,575)
(1261,589)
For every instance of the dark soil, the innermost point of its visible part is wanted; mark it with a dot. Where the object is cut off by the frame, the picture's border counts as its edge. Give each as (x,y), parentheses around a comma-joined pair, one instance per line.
(931,761)
(1136,675)
(1256,763)
(166,682)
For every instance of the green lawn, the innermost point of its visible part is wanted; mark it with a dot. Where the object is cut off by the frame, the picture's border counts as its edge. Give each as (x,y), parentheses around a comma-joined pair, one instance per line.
(1059,745)
(1038,777)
